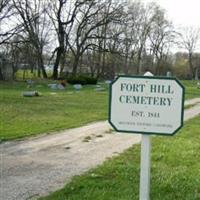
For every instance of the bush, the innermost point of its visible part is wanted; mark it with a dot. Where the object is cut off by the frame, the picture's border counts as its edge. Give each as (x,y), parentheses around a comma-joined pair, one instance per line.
(90,80)
(83,80)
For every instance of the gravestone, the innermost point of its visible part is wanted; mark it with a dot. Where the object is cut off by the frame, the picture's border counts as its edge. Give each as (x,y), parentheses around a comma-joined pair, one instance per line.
(77,86)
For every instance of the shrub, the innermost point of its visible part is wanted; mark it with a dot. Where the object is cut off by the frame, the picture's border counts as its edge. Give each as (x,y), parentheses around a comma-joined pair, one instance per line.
(90,80)
(83,80)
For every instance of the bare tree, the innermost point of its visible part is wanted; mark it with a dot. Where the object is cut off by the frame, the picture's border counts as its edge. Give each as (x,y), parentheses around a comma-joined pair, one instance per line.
(5,12)
(138,25)
(162,37)
(63,14)
(104,34)
(93,14)
(33,18)
(5,33)
(108,35)
(146,19)
(132,35)
(189,41)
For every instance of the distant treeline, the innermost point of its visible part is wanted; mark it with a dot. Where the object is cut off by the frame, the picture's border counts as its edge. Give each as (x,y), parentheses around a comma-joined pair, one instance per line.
(101,38)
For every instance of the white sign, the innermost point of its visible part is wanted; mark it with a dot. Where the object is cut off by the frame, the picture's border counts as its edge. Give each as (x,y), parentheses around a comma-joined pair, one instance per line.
(151,105)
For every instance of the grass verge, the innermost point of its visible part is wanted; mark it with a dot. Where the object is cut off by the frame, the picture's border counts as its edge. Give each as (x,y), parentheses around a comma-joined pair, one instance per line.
(175,172)
(191,89)
(54,110)
(189,106)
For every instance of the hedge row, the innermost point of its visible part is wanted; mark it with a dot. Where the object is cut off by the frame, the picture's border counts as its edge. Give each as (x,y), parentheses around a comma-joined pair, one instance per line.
(83,80)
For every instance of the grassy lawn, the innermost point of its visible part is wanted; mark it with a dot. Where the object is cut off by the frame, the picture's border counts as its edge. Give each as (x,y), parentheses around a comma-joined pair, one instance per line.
(191,89)
(54,110)
(175,172)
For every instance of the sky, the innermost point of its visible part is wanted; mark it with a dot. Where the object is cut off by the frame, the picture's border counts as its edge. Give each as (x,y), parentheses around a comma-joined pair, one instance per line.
(181,12)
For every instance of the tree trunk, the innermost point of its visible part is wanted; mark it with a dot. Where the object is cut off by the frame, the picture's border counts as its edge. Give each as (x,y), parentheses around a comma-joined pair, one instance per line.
(56,64)
(103,64)
(92,64)
(197,74)
(104,51)
(38,72)
(126,64)
(192,71)
(75,65)
(32,69)
(98,66)
(1,75)
(41,66)
(139,62)
(44,74)
(199,71)
(62,65)
(24,72)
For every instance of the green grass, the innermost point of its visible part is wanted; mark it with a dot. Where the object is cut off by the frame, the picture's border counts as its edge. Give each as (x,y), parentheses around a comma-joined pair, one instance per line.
(189,106)
(175,172)
(191,89)
(22,116)
(53,111)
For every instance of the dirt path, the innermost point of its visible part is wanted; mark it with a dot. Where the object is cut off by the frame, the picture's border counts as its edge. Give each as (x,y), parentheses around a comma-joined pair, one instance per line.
(37,166)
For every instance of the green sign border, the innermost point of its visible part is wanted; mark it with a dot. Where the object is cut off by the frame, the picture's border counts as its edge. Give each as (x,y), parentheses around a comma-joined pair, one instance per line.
(147,77)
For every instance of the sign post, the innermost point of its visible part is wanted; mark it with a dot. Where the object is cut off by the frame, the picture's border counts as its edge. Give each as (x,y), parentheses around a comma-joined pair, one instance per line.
(145,171)
(146,105)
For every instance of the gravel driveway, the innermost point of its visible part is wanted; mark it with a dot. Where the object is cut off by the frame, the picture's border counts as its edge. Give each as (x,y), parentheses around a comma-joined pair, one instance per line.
(38,166)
